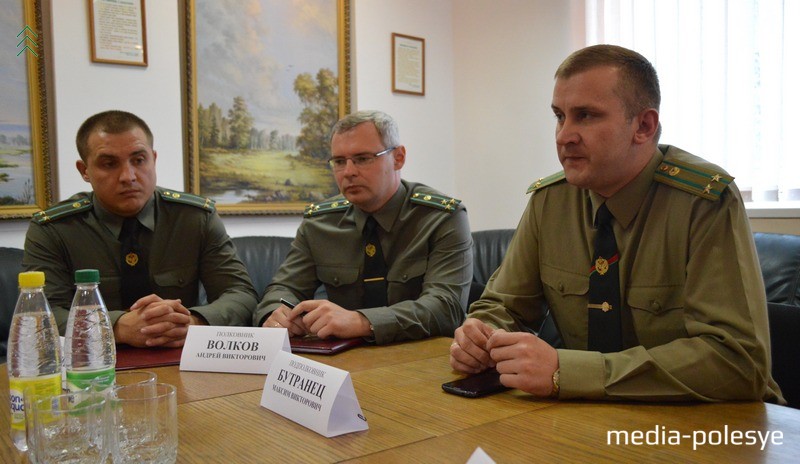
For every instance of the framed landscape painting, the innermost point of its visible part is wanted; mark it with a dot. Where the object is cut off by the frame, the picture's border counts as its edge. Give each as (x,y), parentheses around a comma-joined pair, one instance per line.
(25,179)
(265,82)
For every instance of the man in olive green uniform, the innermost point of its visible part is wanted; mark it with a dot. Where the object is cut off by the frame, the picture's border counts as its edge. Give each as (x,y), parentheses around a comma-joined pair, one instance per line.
(424,237)
(181,238)
(693,319)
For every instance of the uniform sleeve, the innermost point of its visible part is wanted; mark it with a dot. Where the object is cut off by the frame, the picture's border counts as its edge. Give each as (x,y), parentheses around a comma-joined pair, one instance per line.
(513,299)
(223,275)
(44,252)
(296,279)
(440,307)
(725,353)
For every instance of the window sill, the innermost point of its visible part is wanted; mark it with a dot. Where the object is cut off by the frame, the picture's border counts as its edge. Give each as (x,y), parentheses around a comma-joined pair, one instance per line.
(772,210)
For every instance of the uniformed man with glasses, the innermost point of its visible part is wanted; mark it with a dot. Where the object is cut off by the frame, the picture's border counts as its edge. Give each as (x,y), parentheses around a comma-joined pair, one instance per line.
(394,257)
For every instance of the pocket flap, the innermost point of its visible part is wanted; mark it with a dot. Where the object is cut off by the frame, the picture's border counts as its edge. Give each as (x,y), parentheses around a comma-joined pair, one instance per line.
(176,277)
(336,276)
(656,299)
(407,270)
(563,282)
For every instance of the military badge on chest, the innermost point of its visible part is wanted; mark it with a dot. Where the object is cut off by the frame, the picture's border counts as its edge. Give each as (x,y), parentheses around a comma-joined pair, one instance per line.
(131,259)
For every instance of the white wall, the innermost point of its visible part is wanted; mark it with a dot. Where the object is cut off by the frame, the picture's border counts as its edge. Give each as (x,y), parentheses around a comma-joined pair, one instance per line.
(426,122)
(505,58)
(83,88)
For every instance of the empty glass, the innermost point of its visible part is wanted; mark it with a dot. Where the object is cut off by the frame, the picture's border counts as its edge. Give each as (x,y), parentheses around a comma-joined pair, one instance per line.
(70,427)
(144,420)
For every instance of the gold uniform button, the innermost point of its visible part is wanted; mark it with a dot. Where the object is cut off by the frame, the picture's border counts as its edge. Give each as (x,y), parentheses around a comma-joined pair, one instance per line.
(655,306)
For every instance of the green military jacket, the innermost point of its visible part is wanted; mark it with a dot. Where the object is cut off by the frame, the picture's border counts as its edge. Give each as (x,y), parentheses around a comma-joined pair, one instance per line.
(694,315)
(185,243)
(427,244)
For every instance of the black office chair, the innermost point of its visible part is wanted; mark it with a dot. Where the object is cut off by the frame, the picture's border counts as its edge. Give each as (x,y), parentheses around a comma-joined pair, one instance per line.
(784,330)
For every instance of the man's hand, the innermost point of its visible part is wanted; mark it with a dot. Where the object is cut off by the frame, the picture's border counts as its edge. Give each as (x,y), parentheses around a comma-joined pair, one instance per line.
(469,353)
(524,361)
(325,319)
(280,318)
(153,321)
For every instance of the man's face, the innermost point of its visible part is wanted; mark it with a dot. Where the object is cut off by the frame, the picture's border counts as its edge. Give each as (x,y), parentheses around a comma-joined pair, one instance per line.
(370,186)
(122,170)
(594,138)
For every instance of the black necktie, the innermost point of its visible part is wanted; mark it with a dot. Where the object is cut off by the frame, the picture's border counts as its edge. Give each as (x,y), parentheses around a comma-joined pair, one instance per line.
(605,326)
(135,279)
(374,274)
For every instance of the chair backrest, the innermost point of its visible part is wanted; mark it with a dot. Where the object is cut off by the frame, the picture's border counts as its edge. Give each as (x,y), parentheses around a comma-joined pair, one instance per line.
(784,330)
(779,256)
(262,256)
(488,249)
(11,265)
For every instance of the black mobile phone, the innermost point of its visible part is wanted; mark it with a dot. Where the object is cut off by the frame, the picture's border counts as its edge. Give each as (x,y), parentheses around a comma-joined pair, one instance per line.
(475,386)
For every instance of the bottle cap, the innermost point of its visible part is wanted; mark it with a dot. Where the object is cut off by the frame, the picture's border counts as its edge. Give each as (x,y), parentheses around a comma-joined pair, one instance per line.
(31,279)
(87,276)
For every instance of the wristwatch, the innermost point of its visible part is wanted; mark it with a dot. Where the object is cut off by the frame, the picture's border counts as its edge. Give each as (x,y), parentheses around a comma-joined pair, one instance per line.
(556,387)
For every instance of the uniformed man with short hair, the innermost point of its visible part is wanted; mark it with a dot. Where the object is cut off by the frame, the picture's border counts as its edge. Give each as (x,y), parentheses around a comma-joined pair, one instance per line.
(395,257)
(152,246)
(642,252)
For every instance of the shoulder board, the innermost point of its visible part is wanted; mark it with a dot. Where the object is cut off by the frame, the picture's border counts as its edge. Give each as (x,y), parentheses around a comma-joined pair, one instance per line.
(188,199)
(330,206)
(62,210)
(433,200)
(694,179)
(543,182)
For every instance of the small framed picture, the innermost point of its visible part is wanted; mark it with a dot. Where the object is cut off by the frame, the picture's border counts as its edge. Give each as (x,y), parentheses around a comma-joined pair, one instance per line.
(118,32)
(408,64)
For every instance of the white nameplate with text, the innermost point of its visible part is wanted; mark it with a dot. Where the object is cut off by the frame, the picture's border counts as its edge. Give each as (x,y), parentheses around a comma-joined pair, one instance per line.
(241,350)
(314,395)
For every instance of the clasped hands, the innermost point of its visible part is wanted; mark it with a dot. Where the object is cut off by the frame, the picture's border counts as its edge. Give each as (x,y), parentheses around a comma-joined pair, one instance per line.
(523,360)
(321,318)
(153,321)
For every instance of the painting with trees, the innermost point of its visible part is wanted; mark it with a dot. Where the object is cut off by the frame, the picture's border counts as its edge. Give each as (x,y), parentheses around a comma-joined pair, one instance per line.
(268,81)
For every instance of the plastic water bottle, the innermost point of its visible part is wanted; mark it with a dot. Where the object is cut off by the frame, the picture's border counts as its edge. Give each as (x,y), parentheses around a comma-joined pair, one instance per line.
(89,351)
(34,352)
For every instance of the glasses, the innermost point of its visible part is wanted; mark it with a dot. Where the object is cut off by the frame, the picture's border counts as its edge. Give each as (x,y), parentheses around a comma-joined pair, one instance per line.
(338,163)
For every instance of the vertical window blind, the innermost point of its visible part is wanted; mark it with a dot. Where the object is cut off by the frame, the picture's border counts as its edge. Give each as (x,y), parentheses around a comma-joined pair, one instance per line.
(730,81)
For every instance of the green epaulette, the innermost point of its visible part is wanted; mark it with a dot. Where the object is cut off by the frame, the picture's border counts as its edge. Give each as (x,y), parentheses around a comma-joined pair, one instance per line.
(188,199)
(694,179)
(62,210)
(543,182)
(330,206)
(433,200)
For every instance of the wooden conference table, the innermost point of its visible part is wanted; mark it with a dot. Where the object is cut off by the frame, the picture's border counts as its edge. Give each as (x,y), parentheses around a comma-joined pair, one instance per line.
(412,420)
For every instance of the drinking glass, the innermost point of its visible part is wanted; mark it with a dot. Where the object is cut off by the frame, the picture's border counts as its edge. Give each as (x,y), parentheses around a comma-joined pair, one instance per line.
(70,427)
(144,423)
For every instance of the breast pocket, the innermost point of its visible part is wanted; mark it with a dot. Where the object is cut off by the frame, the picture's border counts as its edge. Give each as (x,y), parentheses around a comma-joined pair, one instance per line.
(176,277)
(339,282)
(658,314)
(405,280)
(181,282)
(565,293)
(561,285)
(337,276)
